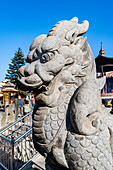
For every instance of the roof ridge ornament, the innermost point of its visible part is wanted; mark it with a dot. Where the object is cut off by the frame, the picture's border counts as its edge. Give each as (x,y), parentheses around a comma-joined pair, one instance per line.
(101,52)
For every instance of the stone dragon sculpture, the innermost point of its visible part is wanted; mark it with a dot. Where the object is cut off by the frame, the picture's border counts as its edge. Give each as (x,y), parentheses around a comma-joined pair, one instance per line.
(71,127)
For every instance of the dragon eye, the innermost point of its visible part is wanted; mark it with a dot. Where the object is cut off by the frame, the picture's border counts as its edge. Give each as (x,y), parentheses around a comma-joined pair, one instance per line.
(47,56)
(51,55)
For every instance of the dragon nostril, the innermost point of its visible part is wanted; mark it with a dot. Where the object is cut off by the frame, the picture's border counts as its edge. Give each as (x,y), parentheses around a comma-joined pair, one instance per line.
(29,70)
(26,73)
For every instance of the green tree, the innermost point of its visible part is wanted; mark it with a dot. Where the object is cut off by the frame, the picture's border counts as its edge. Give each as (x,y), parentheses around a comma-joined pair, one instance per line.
(16,62)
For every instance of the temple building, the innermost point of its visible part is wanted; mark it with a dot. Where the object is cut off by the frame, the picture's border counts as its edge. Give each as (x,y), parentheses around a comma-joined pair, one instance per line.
(104,67)
(104,64)
(9,92)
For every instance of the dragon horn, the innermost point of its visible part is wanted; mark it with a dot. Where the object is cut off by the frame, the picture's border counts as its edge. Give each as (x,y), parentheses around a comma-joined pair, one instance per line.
(79,29)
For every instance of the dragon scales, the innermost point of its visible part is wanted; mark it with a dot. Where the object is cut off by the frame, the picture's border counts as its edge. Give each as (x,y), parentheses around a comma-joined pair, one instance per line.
(71,127)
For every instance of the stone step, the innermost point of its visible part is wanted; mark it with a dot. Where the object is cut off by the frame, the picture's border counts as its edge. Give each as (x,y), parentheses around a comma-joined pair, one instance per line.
(38,163)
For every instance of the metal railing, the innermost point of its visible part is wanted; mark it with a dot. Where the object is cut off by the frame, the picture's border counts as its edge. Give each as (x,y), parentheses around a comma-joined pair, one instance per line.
(16,146)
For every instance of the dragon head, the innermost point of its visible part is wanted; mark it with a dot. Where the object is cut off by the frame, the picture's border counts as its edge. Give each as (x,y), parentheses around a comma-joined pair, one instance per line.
(63,47)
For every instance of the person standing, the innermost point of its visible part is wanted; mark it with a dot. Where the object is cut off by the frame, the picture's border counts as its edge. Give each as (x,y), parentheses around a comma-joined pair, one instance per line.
(27,106)
(31,100)
(27,109)
(19,108)
(22,105)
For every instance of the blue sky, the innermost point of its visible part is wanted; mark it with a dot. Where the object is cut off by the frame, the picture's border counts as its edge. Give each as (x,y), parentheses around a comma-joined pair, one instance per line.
(21,21)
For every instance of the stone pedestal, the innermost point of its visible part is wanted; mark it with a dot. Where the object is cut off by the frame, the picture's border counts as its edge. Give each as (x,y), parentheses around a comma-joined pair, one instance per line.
(7,115)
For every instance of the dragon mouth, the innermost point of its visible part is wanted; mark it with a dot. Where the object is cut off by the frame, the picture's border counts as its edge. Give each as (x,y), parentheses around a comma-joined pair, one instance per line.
(31,82)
